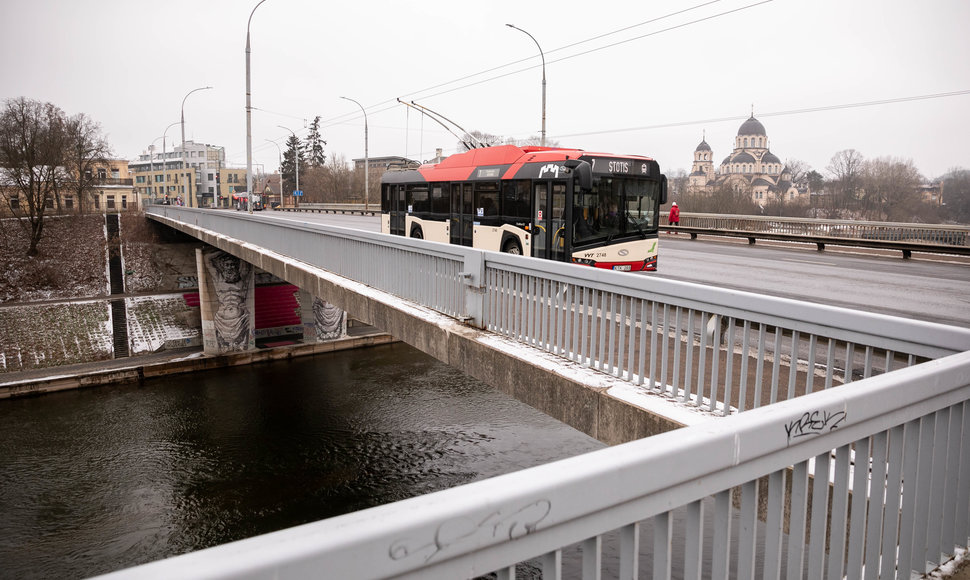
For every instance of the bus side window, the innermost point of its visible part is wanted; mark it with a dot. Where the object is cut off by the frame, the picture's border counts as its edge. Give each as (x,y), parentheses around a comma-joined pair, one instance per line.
(418,199)
(486,199)
(439,199)
(515,200)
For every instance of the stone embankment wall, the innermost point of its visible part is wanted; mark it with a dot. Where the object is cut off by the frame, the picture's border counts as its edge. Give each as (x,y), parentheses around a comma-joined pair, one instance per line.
(54,307)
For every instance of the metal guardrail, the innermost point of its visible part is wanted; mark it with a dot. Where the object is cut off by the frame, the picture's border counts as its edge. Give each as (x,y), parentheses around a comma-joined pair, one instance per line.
(707,347)
(342,208)
(904,237)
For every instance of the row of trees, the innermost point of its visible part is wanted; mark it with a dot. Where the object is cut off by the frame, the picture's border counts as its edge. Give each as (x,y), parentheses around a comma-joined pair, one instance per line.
(323,179)
(307,154)
(336,181)
(852,187)
(46,154)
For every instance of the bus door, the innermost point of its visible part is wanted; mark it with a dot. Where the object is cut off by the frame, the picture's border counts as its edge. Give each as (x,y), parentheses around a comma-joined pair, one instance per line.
(549,215)
(462,216)
(398,209)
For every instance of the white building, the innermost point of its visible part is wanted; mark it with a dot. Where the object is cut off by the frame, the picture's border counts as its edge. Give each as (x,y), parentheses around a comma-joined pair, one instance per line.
(192,174)
(751,167)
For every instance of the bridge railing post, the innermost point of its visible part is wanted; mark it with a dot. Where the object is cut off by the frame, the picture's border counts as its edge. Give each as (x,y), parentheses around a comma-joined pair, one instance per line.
(473,281)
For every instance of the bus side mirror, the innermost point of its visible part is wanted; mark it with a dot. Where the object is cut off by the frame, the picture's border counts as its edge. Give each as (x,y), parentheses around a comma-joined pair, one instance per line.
(584,172)
(663,189)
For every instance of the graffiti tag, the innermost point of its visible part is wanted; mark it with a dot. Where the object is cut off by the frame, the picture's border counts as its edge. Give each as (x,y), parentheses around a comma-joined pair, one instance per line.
(187,282)
(508,523)
(814,423)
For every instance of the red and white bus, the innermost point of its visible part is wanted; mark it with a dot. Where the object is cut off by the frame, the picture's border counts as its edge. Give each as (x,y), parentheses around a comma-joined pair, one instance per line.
(569,205)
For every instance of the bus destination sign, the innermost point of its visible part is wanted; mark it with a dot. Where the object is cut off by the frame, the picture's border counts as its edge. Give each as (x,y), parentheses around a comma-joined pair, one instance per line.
(620,166)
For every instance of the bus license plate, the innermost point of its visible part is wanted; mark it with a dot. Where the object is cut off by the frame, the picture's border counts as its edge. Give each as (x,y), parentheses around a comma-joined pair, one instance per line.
(623,268)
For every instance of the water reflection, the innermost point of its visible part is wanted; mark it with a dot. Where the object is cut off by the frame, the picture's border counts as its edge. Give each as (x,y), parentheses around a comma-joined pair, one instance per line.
(97,480)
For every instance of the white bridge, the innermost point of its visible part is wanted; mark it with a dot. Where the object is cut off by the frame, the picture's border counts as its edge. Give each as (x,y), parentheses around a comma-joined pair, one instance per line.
(795,440)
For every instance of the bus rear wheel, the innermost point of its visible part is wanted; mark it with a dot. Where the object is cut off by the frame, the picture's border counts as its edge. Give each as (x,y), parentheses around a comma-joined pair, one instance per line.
(417,234)
(512,247)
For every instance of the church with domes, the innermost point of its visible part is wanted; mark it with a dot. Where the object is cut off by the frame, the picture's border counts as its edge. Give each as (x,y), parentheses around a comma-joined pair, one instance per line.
(751,167)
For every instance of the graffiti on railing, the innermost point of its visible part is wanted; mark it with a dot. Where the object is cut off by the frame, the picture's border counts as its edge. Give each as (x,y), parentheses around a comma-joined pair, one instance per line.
(814,423)
(505,524)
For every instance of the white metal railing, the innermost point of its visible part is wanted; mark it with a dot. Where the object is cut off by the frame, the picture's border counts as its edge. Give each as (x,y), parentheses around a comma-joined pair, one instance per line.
(723,350)
(894,449)
(708,347)
(351,208)
(893,454)
(952,235)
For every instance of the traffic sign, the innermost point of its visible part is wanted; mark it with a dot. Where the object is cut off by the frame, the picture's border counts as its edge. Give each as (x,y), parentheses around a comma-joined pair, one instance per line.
(298,192)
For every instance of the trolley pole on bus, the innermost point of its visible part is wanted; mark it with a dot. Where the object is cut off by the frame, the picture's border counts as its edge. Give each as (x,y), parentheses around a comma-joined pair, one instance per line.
(366,168)
(543,57)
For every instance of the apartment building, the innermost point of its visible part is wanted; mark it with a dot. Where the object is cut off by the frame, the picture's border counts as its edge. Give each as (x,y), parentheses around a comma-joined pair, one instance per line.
(192,174)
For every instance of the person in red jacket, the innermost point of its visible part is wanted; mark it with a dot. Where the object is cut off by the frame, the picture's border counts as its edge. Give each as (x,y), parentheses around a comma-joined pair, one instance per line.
(674,217)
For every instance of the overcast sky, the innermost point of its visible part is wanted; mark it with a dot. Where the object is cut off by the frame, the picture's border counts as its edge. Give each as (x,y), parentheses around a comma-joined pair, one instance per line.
(646,78)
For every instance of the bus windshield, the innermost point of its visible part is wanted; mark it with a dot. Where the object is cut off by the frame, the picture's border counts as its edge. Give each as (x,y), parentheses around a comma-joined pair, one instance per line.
(616,207)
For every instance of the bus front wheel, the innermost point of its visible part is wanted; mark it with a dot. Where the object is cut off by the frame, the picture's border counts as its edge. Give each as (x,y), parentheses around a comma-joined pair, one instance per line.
(417,234)
(512,247)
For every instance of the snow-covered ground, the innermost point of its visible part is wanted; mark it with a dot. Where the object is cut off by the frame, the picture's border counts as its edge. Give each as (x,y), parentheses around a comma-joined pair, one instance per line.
(49,335)
(54,307)
(156,322)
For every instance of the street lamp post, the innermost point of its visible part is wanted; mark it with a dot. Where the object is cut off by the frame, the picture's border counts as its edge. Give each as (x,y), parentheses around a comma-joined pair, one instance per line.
(249,115)
(543,56)
(296,164)
(164,162)
(366,164)
(183,133)
(151,169)
(280,150)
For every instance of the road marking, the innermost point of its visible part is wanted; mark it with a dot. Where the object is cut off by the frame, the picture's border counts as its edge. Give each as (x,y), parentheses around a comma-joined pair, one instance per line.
(815,262)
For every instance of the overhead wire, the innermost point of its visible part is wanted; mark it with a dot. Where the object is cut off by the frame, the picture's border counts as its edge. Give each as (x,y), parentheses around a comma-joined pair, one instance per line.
(340,119)
(774,113)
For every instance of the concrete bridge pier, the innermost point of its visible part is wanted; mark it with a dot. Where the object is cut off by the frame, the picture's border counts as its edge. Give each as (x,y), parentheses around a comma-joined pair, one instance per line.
(227,301)
(321,320)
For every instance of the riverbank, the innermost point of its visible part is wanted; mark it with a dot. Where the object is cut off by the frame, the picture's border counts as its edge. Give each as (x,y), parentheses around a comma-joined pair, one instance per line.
(131,370)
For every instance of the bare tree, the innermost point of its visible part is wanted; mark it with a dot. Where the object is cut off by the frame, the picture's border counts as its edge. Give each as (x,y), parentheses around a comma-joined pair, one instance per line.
(86,149)
(329,183)
(891,189)
(799,170)
(846,168)
(337,179)
(32,142)
(956,194)
(816,186)
(729,197)
(677,183)
(312,182)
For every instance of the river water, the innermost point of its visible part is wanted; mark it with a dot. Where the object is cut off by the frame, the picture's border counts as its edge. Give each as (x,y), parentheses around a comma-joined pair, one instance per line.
(102,479)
